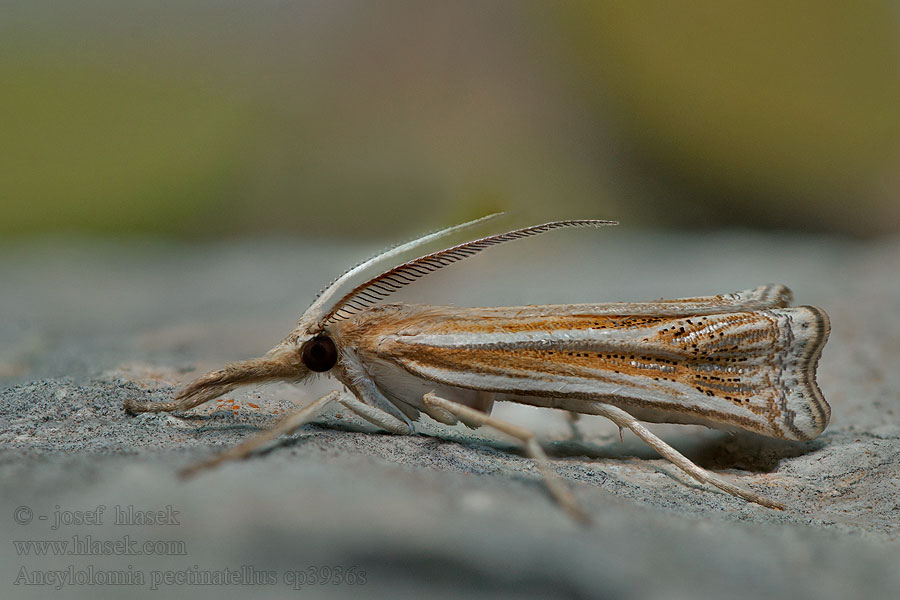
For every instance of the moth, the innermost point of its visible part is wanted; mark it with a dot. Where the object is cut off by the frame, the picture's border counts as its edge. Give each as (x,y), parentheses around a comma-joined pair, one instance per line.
(740,361)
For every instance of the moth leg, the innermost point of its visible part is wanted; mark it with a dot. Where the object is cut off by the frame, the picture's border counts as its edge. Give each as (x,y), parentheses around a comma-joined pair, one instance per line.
(286,426)
(557,488)
(623,419)
(440,415)
(294,421)
(375,416)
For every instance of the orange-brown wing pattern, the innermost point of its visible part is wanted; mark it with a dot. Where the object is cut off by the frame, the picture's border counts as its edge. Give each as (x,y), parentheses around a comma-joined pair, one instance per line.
(754,369)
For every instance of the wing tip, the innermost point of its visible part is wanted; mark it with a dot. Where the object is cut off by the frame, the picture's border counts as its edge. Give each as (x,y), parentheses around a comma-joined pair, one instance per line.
(808,413)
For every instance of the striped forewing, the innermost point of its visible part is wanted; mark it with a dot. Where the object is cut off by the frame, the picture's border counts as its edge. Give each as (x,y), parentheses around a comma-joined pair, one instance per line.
(753,370)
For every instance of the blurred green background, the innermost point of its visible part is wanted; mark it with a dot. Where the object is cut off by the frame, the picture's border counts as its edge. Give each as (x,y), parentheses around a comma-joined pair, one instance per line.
(210,118)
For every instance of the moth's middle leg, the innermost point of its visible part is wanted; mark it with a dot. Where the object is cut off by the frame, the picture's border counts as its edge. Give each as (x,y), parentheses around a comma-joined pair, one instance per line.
(557,488)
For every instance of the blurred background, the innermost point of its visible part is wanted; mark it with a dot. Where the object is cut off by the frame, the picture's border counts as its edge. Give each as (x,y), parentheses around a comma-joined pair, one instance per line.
(218,118)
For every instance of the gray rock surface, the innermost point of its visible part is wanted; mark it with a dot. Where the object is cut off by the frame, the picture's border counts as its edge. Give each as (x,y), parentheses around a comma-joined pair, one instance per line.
(87,324)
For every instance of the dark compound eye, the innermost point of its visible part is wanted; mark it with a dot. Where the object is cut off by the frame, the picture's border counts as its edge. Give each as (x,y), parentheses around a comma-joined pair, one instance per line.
(319,354)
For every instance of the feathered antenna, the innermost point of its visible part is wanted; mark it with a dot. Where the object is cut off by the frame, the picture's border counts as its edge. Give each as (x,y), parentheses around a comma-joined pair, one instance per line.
(283,362)
(382,286)
(320,305)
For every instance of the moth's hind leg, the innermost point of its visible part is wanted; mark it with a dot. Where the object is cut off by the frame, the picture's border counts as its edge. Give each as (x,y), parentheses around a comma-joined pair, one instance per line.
(557,488)
(625,420)
(294,421)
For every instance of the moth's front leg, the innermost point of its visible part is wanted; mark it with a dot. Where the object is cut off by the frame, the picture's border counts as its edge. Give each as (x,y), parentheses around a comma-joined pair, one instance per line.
(375,416)
(294,421)
(286,426)
(557,488)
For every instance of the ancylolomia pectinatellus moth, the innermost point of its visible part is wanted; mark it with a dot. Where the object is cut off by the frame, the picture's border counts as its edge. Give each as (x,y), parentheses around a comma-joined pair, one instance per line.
(734,361)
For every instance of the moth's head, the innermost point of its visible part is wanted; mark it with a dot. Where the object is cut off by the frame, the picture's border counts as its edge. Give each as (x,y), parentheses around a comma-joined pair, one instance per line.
(312,343)
(305,352)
